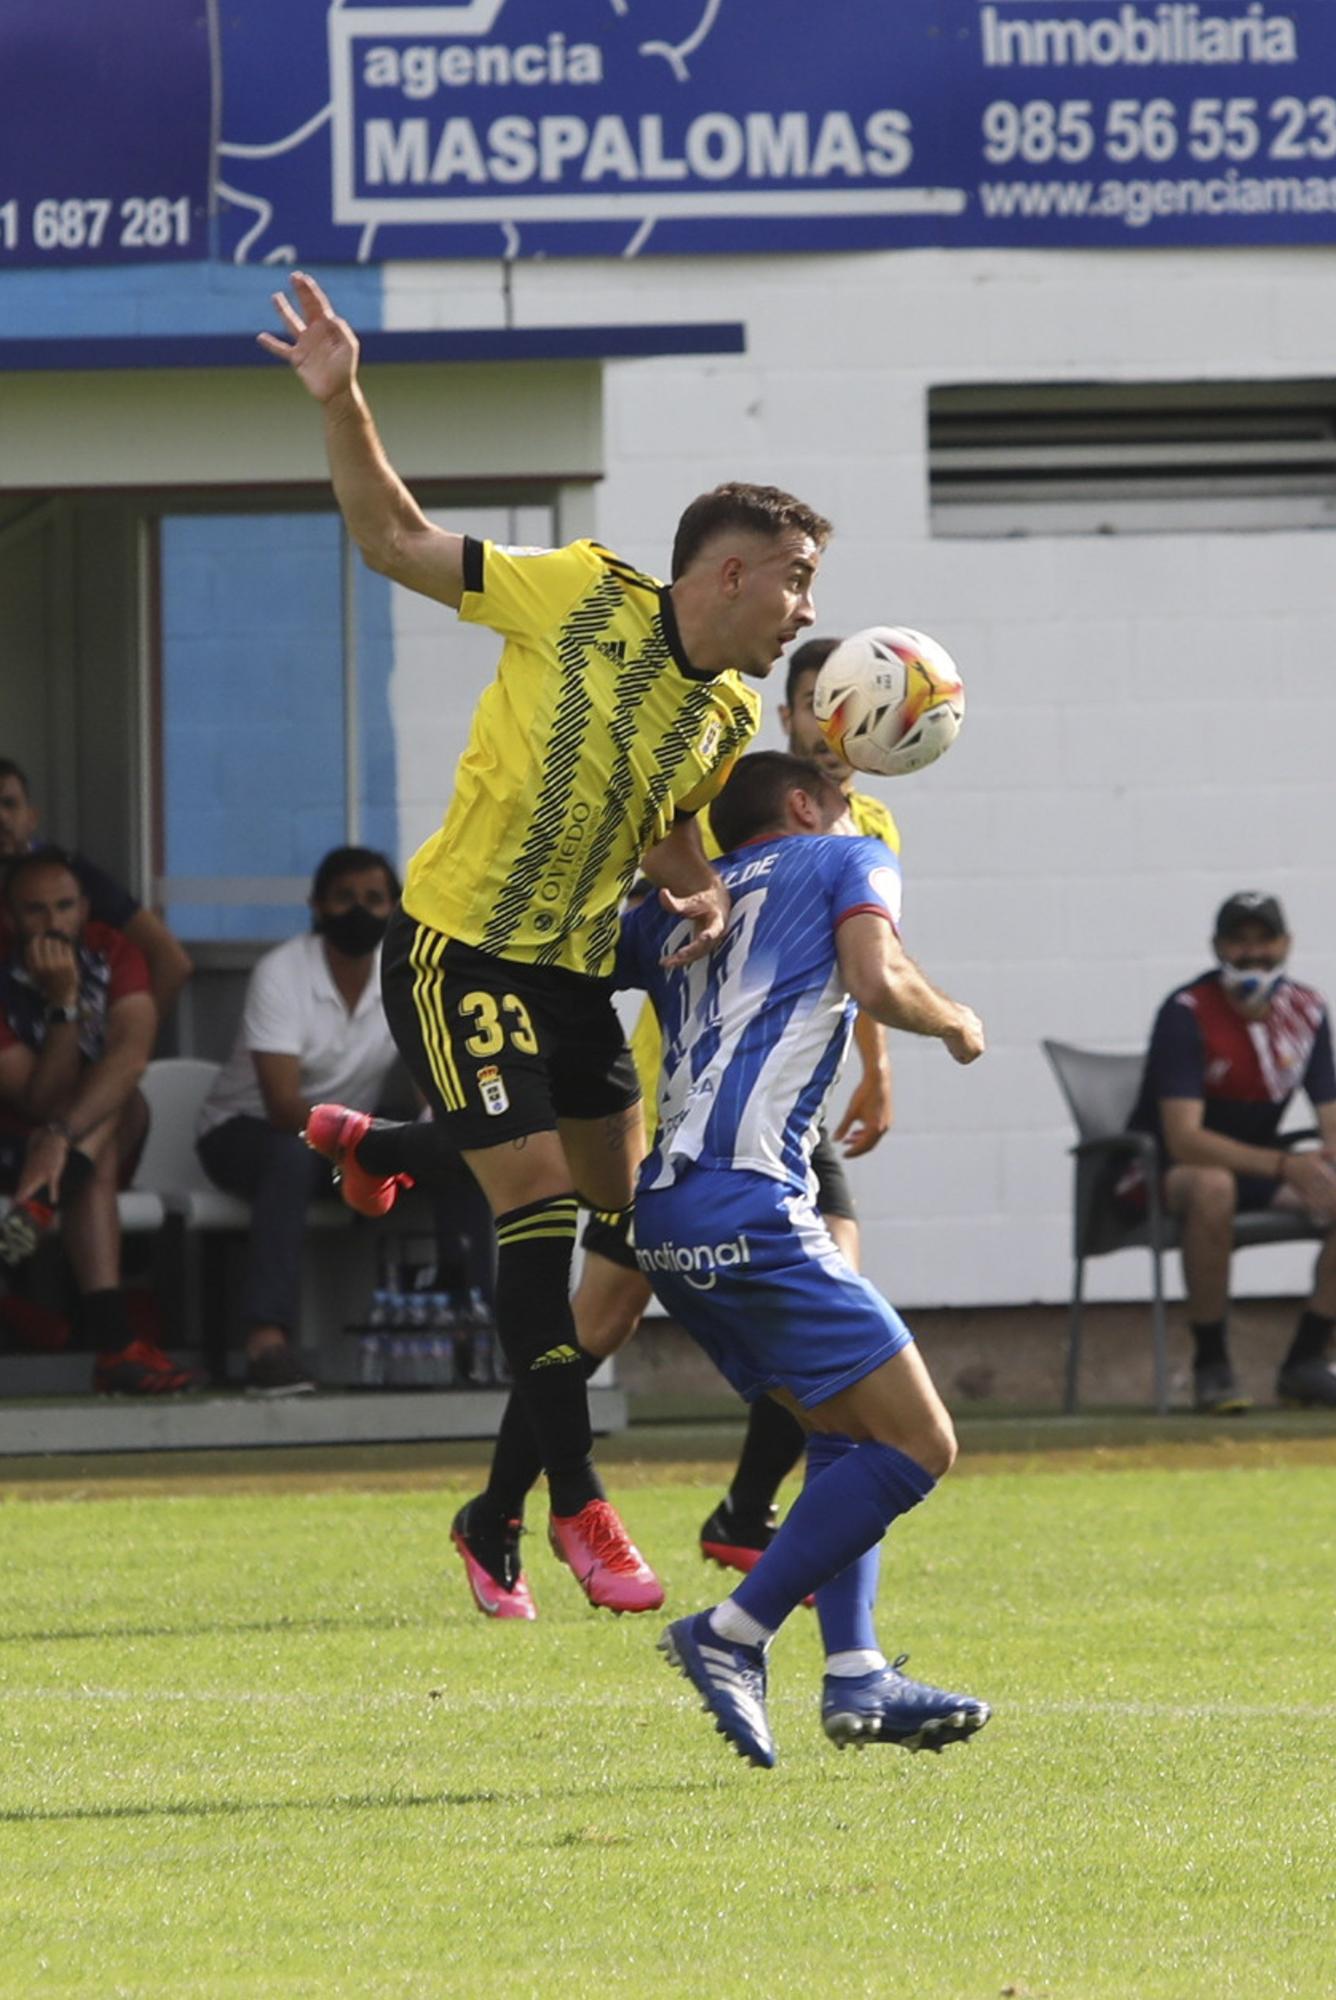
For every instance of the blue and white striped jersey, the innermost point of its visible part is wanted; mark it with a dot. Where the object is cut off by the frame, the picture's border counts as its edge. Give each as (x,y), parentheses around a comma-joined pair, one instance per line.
(754,1035)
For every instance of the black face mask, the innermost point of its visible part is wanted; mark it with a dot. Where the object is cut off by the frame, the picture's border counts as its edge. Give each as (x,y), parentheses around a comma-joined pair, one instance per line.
(355,932)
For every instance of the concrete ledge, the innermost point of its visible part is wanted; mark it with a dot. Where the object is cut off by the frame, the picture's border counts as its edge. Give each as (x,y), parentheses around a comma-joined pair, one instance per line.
(992,1359)
(211,1423)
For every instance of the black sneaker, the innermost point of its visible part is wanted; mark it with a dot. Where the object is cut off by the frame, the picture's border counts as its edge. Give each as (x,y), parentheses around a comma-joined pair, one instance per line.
(735,1540)
(1308,1383)
(1215,1393)
(276,1371)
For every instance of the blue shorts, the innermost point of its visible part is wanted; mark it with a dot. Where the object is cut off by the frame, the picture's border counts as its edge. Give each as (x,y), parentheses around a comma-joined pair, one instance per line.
(749,1269)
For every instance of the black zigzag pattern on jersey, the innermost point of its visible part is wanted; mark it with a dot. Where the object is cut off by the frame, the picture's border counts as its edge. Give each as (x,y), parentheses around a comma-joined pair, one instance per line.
(734,736)
(672,748)
(634,681)
(620,567)
(561,759)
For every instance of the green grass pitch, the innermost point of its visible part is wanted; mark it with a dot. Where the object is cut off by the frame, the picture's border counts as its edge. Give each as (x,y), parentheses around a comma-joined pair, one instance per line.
(257,1743)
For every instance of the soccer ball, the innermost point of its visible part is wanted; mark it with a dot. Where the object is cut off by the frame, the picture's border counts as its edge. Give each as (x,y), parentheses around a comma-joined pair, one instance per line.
(889,700)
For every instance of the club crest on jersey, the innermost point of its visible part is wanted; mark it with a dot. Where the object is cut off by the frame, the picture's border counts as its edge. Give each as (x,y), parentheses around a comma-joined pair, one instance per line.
(492,1091)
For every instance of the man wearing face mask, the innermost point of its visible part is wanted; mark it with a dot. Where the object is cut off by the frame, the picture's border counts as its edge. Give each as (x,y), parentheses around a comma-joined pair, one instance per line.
(1227,1053)
(313,1027)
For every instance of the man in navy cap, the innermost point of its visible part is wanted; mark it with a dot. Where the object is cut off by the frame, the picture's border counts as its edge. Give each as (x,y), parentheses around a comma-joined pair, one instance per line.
(1227,1053)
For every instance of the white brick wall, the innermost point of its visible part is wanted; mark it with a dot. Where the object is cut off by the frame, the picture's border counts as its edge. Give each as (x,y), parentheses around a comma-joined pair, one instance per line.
(1152,720)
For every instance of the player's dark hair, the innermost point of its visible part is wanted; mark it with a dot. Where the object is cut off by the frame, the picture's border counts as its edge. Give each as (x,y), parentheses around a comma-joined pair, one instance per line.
(809,658)
(9,769)
(752,802)
(342,861)
(37,857)
(765,510)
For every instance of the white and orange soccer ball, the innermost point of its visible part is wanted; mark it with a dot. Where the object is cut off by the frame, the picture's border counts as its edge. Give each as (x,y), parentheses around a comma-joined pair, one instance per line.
(889,700)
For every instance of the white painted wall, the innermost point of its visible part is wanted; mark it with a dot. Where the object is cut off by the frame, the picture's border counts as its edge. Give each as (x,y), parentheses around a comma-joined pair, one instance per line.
(1152,720)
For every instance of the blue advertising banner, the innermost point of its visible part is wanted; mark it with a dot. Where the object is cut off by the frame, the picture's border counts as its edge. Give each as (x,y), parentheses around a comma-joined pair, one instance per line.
(379,129)
(106,131)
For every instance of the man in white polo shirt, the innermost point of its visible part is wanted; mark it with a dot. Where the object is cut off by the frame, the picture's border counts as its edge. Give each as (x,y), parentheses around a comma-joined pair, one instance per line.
(313,1029)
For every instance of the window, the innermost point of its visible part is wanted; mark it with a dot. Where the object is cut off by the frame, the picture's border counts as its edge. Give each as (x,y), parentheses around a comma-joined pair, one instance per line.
(1131,458)
(305,703)
(267,702)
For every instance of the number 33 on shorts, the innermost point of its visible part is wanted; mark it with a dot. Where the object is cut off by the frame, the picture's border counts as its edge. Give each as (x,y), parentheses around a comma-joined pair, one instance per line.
(494,1022)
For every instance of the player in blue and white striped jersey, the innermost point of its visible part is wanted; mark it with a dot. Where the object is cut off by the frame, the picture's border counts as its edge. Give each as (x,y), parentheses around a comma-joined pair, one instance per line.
(727,1233)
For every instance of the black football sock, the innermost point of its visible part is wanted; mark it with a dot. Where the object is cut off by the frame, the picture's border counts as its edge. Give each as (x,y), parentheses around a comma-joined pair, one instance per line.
(1312,1337)
(772,1447)
(517,1463)
(105,1322)
(537,1335)
(1208,1339)
(419,1149)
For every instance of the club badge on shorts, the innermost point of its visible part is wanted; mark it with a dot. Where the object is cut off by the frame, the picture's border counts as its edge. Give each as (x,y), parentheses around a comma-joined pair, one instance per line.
(492,1091)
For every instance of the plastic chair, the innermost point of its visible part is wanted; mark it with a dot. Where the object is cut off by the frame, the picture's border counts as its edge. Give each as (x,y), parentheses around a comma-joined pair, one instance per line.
(171,1175)
(170,1170)
(1100,1091)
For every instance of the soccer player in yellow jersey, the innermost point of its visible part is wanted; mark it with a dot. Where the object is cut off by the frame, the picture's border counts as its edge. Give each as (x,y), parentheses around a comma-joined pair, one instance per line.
(618,707)
(614,1292)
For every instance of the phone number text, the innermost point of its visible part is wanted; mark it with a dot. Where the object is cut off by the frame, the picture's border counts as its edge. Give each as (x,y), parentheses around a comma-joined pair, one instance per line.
(95,222)
(1155,129)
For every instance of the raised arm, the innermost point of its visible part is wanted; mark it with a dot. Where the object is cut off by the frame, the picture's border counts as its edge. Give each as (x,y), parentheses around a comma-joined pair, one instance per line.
(381,515)
(881,976)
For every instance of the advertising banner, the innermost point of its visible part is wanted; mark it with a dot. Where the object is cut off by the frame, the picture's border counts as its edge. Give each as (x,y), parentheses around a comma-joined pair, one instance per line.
(487,128)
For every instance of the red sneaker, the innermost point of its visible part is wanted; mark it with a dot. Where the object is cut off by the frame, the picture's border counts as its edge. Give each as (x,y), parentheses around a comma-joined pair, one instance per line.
(498,1584)
(141,1369)
(335,1132)
(606,1563)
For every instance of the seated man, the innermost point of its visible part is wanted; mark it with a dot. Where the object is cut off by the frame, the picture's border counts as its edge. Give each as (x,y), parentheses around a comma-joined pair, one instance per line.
(76,1031)
(1227,1053)
(108,903)
(313,1027)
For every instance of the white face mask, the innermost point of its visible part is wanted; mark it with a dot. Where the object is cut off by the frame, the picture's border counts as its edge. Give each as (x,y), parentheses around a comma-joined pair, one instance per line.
(1249,985)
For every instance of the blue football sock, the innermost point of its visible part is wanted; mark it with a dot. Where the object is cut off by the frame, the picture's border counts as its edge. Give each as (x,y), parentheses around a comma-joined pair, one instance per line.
(845,1605)
(834,1520)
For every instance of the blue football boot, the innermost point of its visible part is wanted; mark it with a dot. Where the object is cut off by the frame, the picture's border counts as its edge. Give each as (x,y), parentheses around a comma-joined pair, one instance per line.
(730,1677)
(887,1707)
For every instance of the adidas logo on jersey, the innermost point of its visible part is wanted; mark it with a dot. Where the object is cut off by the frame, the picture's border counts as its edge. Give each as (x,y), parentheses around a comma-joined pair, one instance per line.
(612,649)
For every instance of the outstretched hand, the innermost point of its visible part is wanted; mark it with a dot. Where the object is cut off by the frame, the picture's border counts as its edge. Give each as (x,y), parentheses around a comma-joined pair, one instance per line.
(707,912)
(323,348)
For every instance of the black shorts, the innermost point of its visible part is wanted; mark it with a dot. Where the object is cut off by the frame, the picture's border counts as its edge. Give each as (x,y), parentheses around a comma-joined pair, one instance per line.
(608,1233)
(500,1048)
(832,1183)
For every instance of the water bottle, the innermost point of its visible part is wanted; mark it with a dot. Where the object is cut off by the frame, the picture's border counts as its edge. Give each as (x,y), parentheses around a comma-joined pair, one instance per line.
(398,1370)
(481,1373)
(441,1342)
(416,1321)
(370,1360)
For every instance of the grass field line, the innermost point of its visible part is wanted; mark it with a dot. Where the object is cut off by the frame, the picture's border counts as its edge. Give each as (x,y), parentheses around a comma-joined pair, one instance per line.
(500,1700)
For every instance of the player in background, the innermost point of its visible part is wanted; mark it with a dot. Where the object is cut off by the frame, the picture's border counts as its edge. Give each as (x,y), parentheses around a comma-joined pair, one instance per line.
(728,1235)
(618,707)
(613,1292)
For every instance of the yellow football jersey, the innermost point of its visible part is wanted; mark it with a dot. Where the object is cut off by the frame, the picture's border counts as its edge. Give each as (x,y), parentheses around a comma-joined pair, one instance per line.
(871,816)
(595,732)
